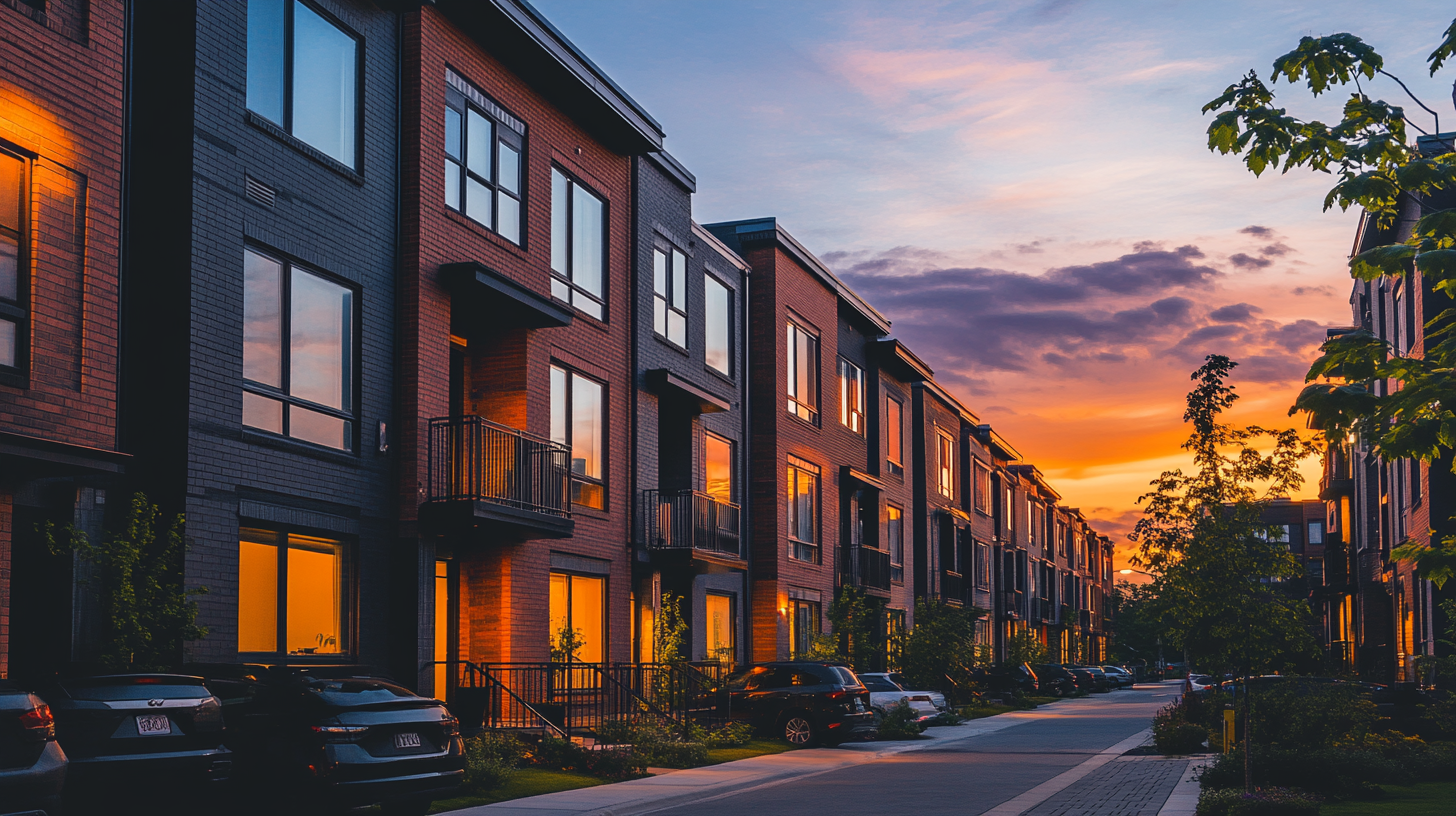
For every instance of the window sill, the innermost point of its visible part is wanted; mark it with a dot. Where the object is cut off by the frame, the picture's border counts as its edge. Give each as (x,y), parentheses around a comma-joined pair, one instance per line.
(796,417)
(283,443)
(349,173)
(484,231)
(670,344)
(281,657)
(14,378)
(727,378)
(582,510)
(588,319)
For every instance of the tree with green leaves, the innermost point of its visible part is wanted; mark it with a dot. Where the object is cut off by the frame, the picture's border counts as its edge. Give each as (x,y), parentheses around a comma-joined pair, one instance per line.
(1393,181)
(858,622)
(147,613)
(1217,565)
(940,651)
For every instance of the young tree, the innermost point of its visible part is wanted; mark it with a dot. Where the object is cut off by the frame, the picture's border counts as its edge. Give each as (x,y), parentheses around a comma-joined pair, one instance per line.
(147,613)
(940,651)
(857,621)
(1381,171)
(1217,564)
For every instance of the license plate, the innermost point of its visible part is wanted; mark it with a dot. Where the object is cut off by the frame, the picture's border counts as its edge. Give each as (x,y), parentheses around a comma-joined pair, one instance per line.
(858,704)
(150,725)
(407,740)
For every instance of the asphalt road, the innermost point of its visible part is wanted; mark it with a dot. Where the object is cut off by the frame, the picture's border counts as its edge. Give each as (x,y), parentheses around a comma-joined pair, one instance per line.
(974,775)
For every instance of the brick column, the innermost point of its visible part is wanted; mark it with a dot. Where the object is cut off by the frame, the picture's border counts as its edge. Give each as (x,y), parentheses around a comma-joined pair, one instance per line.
(6,525)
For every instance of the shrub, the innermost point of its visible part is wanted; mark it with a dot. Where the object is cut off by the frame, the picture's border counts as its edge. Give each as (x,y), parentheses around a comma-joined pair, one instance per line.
(615,732)
(673,754)
(615,764)
(724,736)
(1295,714)
(1173,734)
(491,758)
(1266,802)
(948,717)
(900,723)
(1336,773)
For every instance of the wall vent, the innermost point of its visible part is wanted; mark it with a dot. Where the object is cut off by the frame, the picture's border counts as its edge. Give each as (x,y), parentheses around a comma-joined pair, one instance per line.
(259,192)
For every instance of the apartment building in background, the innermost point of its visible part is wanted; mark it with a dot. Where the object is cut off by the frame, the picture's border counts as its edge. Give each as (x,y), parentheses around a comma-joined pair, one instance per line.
(61,125)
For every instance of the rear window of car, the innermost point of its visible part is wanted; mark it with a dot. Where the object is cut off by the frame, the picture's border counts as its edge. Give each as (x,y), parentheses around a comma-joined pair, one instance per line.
(844,676)
(874,683)
(357,691)
(137,692)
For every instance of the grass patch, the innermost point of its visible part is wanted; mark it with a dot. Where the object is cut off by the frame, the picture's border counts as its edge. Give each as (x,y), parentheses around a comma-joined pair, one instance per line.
(1042,700)
(525,782)
(757,747)
(977,712)
(1425,799)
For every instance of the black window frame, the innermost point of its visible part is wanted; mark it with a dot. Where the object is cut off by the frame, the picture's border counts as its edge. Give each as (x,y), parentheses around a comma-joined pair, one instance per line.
(566,278)
(506,129)
(799,548)
(896,431)
(348,591)
(18,311)
(287,124)
(981,487)
(569,407)
(813,612)
(355,355)
(896,543)
(669,296)
(852,416)
(730,324)
(799,407)
(945,475)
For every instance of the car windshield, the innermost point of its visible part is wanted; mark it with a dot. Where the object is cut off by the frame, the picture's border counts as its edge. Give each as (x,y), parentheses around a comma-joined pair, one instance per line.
(878,682)
(358,691)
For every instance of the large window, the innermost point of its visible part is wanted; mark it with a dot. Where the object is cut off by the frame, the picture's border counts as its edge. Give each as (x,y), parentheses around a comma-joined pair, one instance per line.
(14,260)
(578,245)
(298,352)
(806,625)
(894,435)
(895,533)
(577,421)
(851,396)
(721,628)
(718,326)
(982,485)
(803,510)
(291,591)
(578,612)
(483,166)
(945,460)
(803,385)
(670,296)
(718,467)
(303,74)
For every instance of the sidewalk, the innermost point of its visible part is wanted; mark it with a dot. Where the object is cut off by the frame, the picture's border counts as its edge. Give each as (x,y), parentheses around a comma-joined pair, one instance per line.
(641,796)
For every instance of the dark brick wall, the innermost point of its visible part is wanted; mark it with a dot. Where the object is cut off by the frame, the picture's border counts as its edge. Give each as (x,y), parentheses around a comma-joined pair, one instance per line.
(6,537)
(335,220)
(899,486)
(505,586)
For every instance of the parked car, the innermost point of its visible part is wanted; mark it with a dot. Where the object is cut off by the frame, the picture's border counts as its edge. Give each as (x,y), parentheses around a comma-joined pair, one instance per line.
(1197,685)
(32,764)
(1004,680)
(1089,678)
(1118,676)
(937,699)
(340,736)
(1056,680)
(805,702)
(885,694)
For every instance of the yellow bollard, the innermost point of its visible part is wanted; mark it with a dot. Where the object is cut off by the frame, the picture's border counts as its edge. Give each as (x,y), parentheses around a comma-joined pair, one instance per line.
(1228,730)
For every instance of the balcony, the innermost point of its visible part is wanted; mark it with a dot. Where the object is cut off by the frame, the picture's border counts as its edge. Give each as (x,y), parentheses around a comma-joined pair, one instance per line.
(1011,603)
(496,480)
(1064,614)
(1336,479)
(1045,612)
(1084,619)
(866,568)
(952,587)
(693,522)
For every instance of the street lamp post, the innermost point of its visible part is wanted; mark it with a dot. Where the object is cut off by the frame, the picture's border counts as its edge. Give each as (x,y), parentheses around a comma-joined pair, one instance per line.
(1162,664)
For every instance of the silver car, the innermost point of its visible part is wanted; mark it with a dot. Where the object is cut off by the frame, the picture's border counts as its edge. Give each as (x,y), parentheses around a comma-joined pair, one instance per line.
(886,693)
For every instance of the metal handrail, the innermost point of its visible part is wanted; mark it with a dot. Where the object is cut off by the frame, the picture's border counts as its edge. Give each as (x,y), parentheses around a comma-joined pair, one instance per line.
(472,458)
(691,519)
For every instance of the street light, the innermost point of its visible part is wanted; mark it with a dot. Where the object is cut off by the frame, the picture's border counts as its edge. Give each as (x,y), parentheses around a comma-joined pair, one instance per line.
(1131,571)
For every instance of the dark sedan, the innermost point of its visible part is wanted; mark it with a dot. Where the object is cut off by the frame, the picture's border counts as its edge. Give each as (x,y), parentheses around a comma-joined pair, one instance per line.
(32,764)
(338,736)
(803,702)
(1056,680)
(1089,678)
(1006,679)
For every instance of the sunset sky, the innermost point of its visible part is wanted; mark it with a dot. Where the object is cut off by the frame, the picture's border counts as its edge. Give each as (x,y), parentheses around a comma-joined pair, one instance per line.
(1026,192)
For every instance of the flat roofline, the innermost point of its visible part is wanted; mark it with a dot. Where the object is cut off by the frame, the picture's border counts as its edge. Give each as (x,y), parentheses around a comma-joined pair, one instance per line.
(996,441)
(673,169)
(759,229)
(721,248)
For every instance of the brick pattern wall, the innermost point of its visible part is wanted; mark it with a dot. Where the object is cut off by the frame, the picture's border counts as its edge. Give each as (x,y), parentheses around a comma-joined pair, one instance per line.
(512,624)
(7,516)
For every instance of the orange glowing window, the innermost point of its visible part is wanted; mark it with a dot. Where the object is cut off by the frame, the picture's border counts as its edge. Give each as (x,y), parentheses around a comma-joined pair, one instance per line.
(578,606)
(14,264)
(290,590)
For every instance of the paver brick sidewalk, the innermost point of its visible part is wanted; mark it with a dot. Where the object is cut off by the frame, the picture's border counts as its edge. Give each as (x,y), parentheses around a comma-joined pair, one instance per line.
(1127,786)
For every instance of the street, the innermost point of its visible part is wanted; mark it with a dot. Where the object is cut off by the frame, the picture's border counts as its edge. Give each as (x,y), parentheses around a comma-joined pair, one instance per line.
(980,773)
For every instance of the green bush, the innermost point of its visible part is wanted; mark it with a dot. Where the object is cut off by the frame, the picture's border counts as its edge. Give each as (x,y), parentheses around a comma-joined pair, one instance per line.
(900,723)
(1266,802)
(1173,734)
(491,758)
(615,764)
(728,735)
(1295,714)
(672,754)
(948,717)
(1330,772)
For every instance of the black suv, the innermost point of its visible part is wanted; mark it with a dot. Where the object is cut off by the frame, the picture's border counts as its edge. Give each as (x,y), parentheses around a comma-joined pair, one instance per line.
(805,702)
(1006,679)
(1056,680)
(32,764)
(338,736)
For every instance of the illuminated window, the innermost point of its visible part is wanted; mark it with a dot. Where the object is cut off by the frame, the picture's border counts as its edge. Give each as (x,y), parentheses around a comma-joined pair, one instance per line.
(718,326)
(290,591)
(303,75)
(670,296)
(578,245)
(895,533)
(721,628)
(577,419)
(483,166)
(803,510)
(718,467)
(805,625)
(894,435)
(851,396)
(442,628)
(14,261)
(578,613)
(803,384)
(298,353)
(946,463)
(982,486)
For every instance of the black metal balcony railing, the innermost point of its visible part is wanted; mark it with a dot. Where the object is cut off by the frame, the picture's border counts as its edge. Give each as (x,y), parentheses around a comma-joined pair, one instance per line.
(1335,478)
(952,586)
(1064,614)
(1011,603)
(691,520)
(865,567)
(1084,618)
(474,459)
(1045,611)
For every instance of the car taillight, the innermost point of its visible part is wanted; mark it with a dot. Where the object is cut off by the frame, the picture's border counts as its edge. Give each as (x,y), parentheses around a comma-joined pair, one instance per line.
(39,721)
(208,715)
(340,733)
(835,695)
(451,726)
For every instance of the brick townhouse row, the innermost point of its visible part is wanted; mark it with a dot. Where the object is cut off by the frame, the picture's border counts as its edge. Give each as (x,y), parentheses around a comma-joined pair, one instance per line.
(404,307)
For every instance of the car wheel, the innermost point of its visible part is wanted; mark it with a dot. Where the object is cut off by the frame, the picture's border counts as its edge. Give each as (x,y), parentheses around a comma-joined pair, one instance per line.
(798,730)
